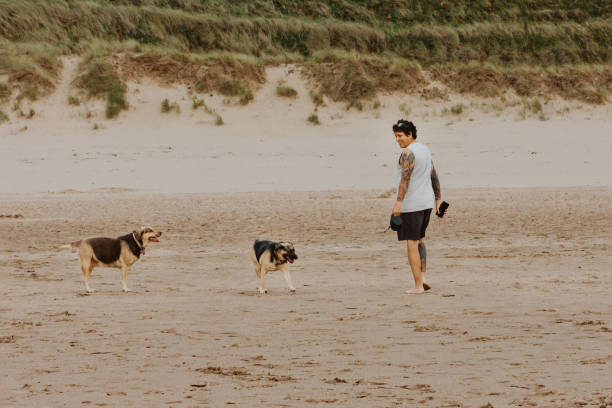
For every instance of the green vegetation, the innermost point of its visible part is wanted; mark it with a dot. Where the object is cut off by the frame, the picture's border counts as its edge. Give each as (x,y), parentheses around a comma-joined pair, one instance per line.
(457,109)
(29,91)
(29,115)
(532,107)
(30,66)
(286,91)
(405,109)
(246,97)
(200,102)
(5,93)
(317,99)
(99,78)
(434,93)
(352,50)
(167,106)
(197,103)
(314,119)
(73,100)
(115,101)
(352,77)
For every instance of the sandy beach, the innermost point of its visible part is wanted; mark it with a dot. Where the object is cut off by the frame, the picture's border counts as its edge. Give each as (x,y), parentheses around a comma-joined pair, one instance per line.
(520,309)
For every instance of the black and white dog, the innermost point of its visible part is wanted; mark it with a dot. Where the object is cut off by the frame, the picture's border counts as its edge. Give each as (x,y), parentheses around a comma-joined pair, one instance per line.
(270,256)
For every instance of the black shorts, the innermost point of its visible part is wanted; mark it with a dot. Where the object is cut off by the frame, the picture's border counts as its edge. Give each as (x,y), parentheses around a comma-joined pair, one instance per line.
(414,225)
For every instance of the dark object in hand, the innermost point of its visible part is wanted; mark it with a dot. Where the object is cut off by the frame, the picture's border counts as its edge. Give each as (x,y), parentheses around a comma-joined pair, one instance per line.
(442,210)
(395,223)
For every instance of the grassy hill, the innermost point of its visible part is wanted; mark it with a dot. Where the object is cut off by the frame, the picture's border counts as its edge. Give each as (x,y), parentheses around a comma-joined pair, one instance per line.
(351,50)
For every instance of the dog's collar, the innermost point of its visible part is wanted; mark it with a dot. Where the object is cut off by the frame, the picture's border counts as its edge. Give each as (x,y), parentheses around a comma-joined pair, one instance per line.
(142,251)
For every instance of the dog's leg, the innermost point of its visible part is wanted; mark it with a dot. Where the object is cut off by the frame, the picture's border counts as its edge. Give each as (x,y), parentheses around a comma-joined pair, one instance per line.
(86,268)
(262,280)
(124,271)
(258,272)
(288,278)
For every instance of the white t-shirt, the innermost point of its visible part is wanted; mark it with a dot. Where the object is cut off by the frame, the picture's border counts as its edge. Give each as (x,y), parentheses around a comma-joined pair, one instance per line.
(420,194)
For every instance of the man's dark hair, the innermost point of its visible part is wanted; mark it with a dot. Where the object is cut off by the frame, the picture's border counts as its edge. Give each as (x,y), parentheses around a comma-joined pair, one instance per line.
(406,127)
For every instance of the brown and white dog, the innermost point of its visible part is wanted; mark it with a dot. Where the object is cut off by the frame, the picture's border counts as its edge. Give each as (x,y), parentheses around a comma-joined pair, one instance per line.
(120,252)
(270,256)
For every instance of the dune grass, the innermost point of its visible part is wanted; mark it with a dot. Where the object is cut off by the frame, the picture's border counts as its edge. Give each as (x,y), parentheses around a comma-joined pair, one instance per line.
(167,106)
(587,83)
(314,119)
(353,77)
(352,50)
(285,91)
(99,79)
(73,100)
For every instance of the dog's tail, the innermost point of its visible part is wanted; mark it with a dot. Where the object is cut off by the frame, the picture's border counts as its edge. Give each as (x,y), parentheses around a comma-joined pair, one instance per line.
(74,244)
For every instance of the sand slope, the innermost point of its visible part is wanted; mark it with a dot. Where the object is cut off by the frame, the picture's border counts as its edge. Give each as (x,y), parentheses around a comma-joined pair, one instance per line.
(144,149)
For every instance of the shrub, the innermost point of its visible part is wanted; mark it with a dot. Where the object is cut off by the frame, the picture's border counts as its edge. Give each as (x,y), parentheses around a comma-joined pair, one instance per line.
(352,78)
(73,100)
(314,119)
(286,91)
(457,109)
(5,92)
(535,106)
(317,98)
(115,101)
(246,97)
(29,91)
(100,79)
(196,103)
(232,87)
(167,106)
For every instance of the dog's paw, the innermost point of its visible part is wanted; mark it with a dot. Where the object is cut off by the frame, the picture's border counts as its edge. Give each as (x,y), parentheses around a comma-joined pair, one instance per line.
(262,291)
(126,290)
(292,290)
(90,290)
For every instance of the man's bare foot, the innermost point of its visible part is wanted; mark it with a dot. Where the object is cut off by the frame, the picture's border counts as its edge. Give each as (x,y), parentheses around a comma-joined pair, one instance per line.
(426,286)
(415,291)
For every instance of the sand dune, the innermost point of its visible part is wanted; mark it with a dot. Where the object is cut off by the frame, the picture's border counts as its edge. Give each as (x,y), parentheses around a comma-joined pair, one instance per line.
(143,149)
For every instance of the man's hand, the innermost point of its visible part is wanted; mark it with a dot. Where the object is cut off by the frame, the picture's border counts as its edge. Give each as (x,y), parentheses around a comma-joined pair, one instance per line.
(397,208)
(438,202)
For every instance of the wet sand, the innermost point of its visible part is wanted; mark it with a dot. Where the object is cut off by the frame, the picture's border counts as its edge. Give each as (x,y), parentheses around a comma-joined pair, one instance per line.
(519,313)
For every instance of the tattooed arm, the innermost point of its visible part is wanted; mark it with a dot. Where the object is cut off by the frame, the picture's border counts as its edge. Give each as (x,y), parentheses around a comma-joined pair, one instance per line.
(406,162)
(435,183)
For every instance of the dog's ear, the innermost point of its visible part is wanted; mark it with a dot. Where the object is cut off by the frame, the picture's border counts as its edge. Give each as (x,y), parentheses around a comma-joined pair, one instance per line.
(137,235)
(277,247)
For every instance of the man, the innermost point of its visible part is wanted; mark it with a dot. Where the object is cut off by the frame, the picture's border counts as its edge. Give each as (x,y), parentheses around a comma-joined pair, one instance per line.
(418,193)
